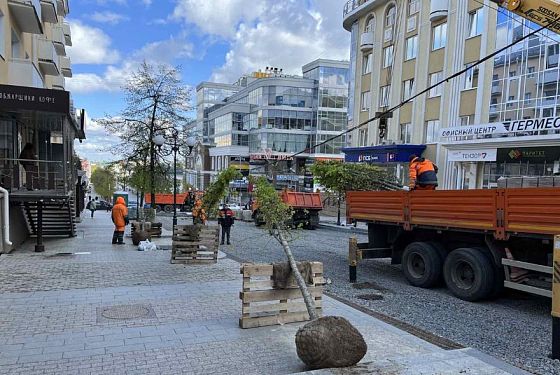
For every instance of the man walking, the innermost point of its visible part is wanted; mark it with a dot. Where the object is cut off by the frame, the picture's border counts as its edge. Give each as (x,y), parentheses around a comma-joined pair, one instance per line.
(119,214)
(92,206)
(226,219)
(422,174)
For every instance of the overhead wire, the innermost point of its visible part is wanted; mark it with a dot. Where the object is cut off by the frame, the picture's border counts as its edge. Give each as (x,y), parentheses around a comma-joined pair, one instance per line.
(448,78)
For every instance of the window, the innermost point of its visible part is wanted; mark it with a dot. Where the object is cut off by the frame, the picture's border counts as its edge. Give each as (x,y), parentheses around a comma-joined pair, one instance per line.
(362,137)
(387,56)
(384,94)
(16,45)
(432,131)
(405,133)
(408,89)
(475,23)
(465,120)
(366,68)
(513,73)
(2,36)
(390,16)
(411,47)
(370,25)
(531,72)
(552,52)
(438,90)
(413,7)
(439,36)
(471,78)
(366,101)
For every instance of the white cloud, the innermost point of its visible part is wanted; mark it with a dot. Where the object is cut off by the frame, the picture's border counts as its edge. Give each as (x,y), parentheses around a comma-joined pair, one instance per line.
(112,79)
(90,45)
(222,19)
(108,17)
(166,51)
(261,33)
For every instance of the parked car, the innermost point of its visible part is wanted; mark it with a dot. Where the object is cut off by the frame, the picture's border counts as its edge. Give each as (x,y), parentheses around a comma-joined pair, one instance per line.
(233,206)
(104,205)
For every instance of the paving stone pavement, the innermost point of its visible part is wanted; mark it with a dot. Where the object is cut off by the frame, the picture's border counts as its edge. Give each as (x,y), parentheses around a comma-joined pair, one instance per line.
(52,322)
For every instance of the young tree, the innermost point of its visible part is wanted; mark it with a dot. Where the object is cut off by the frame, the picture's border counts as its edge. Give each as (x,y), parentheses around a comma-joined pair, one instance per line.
(324,342)
(338,178)
(103,180)
(157,103)
(218,190)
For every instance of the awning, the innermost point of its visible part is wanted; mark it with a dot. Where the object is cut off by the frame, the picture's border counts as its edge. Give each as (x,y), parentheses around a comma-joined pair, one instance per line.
(382,154)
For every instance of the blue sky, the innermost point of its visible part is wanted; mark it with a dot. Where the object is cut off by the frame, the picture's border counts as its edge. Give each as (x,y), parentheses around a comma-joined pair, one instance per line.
(212,40)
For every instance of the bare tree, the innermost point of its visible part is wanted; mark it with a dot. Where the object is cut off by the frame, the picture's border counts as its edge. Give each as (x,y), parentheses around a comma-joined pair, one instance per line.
(157,103)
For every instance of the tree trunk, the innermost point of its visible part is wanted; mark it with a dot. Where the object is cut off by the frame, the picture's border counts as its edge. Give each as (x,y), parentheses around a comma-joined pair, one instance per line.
(308,299)
(153,157)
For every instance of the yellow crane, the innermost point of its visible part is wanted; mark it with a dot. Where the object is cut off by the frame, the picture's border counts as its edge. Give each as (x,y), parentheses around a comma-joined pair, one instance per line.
(542,12)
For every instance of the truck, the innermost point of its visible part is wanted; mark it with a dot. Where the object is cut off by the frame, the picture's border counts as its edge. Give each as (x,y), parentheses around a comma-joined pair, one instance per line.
(165,201)
(476,241)
(306,207)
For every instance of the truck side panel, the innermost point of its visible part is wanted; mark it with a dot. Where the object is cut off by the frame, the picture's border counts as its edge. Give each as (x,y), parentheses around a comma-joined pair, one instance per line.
(310,201)
(533,211)
(464,209)
(378,206)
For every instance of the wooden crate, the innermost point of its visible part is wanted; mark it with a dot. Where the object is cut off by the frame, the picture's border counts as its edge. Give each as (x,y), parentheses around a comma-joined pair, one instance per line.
(190,250)
(265,306)
(153,229)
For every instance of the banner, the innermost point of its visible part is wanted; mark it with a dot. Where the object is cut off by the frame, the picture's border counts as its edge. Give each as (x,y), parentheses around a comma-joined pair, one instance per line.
(489,154)
(515,127)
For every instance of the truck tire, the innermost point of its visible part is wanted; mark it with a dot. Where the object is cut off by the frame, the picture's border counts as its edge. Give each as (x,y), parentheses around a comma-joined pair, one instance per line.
(168,208)
(469,274)
(158,208)
(422,264)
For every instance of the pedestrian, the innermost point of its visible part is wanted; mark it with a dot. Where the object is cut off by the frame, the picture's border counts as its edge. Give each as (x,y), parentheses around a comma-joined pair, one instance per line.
(92,206)
(422,174)
(226,220)
(198,213)
(27,159)
(119,215)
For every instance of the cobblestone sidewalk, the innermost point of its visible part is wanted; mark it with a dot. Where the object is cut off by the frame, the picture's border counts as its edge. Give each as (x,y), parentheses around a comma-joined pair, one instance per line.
(65,314)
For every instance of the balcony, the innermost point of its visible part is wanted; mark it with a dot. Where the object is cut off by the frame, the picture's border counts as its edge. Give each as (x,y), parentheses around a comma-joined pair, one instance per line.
(27,14)
(58,83)
(59,40)
(66,67)
(354,9)
(48,59)
(22,72)
(62,7)
(48,11)
(438,10)
(67,33)
(366,42)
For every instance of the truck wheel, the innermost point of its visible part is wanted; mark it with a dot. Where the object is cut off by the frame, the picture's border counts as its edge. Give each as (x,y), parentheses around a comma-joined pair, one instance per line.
(158,208)
(168,208)
(469,274)
(422,264)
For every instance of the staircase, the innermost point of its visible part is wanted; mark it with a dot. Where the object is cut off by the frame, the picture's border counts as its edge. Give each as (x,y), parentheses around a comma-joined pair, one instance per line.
(58,217)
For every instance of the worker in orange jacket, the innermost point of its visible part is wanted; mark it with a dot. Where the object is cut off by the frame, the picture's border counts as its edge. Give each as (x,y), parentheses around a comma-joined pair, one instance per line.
(198,213)
(422,174)
(119,214)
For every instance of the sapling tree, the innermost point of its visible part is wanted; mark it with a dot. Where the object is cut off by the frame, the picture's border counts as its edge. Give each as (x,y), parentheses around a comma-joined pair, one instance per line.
(218,190)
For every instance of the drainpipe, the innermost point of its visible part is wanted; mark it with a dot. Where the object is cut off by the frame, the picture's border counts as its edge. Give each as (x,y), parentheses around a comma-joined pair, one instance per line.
(6,218)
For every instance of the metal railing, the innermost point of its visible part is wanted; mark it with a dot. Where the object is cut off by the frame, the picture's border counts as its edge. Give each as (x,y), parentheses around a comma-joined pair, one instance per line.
(35,175)
(353,4)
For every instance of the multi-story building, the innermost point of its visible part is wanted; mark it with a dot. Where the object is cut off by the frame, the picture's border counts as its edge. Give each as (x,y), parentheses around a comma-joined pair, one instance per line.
(274,116)
(39,121)
(400,48)
(499,119)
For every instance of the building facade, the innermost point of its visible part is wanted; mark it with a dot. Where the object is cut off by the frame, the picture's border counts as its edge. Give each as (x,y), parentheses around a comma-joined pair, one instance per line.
(273,116)
(39,121)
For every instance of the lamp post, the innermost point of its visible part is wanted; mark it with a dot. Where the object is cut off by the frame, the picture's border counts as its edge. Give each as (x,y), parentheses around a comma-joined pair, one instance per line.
(159,140)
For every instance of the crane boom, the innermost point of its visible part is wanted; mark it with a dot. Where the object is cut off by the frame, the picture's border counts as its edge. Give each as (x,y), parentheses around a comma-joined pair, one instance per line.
(542,12)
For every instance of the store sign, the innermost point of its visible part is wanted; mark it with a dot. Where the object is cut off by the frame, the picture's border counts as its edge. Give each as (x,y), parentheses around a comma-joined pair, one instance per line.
(33,99)
(516,126)
(287,177)
(473,155)
(529,154)
(266,156)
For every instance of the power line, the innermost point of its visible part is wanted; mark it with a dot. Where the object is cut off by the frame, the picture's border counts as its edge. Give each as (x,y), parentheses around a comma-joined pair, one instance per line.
(457,74)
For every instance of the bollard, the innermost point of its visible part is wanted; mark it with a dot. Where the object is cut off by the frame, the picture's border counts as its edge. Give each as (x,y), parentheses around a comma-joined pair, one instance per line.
(353,258)
(556,300)
(39,247)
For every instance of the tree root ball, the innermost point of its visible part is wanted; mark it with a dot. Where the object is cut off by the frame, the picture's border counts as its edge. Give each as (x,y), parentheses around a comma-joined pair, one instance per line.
(330,341)
(138,236)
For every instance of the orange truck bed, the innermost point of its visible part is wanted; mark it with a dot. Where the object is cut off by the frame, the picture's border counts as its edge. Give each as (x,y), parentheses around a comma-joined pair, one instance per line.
(165,199)
(503,212)
(308,201)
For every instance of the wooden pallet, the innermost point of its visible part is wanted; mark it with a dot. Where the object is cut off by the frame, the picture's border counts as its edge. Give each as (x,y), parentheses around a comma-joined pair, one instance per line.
(264,306)
(153,229)
(199,249)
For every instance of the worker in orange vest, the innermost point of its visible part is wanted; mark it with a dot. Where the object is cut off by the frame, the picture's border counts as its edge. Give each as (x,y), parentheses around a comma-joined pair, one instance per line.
(422,174)
(119,215)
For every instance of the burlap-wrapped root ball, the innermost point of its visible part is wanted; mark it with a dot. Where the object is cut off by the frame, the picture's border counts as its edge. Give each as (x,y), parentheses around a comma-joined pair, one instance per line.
(138,236)
(328,342)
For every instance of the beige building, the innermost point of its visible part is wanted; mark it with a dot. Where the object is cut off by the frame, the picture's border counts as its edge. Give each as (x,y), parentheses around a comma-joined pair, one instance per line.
(400,48)
(39,124)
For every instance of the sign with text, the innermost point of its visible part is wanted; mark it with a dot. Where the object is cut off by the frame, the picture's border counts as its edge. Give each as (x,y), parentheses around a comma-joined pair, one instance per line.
(489,154)
(34,99)
(515,127)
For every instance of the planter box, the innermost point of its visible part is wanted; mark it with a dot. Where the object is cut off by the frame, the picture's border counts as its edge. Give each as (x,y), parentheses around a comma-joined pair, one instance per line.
(265,306)
(195,249)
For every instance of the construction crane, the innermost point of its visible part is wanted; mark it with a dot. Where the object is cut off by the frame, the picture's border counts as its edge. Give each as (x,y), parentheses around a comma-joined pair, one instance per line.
(542,12)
